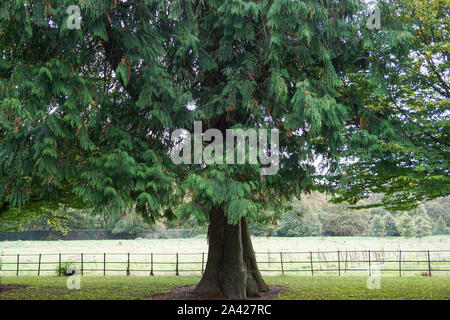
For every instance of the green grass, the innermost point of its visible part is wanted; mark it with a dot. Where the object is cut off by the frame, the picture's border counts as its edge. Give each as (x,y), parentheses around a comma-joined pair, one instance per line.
(355,288)
(297,288)
(93,288)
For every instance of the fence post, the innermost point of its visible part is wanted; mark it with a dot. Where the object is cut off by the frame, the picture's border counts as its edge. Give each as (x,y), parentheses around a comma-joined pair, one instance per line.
(400,262)
(151,264)
(59,263)
(203,261)
(312,269)
(339,263)
(281,259)
(429,263)
(104,264)
(346,261)
(128,265)
(370,266)
(39,265)
(82,264)
(176,270)
(18,259)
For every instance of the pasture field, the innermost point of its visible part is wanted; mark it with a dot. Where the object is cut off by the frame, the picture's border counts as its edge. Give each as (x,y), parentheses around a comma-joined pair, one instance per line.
(275,255)
(296,288)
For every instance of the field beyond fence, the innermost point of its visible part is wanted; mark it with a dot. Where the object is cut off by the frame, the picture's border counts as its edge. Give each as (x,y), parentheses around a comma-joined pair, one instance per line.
(339,263)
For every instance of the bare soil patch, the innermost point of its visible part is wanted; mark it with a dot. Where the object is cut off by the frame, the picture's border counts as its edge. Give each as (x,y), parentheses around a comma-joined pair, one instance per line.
(187,293)
(9,287)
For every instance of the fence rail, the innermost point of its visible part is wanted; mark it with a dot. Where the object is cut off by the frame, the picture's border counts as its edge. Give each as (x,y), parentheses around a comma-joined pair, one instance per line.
(351,262)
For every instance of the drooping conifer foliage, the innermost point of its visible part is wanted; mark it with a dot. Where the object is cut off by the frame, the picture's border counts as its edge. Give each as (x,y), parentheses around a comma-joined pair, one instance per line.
(86,115)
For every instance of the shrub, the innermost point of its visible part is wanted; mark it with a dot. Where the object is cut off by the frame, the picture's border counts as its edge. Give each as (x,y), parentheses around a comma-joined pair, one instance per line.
(63,269)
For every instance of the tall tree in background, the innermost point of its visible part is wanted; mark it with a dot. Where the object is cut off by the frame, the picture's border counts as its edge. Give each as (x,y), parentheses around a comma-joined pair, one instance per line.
(86,114)
(390,225)
(405,225)
(440,226)
(377,227)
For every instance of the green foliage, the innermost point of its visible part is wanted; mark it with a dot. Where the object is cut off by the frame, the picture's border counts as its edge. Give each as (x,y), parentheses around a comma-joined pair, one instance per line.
(295,224)
(377,227)
(390,226)
(439,208)
(63,269)
(423,226)
(419,211)
(346,223)
(440,226)
(86,115)
(400,140)
(82,220)
(131,223)
(68,219)
(260,230)
(405,225)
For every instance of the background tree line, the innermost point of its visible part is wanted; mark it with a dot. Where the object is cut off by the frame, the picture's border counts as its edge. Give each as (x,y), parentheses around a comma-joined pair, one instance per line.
(311,216)
(314,216)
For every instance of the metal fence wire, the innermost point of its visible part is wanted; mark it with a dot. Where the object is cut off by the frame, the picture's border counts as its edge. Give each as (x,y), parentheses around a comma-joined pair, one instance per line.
(340,263)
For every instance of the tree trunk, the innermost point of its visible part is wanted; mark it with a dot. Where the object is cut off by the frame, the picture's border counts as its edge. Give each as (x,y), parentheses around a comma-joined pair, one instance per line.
(231,270)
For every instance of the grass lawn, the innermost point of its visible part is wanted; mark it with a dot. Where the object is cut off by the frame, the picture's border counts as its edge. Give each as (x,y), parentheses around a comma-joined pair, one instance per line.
(297,288)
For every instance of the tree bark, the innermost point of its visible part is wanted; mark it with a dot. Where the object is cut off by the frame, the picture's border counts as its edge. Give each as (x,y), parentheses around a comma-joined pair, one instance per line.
(231,269)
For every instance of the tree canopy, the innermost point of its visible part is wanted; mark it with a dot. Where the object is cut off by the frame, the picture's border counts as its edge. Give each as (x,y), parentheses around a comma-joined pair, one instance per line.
(400,147)
(86,115)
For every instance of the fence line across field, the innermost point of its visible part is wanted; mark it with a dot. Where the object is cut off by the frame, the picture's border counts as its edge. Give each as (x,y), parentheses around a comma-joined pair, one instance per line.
(313,262)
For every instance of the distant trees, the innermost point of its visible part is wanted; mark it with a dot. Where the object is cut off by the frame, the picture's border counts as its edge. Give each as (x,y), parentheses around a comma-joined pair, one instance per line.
(72,219)
(422,226)
(69,219)
(311,216)
(314,213)
(347,223)
(131,223)
(377,227)
(440,226)
(296,224)
(391,229)
(439,208)
(405,225)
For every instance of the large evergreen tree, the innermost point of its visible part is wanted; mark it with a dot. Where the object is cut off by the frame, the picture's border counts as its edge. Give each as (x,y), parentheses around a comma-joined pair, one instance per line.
(86,114)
